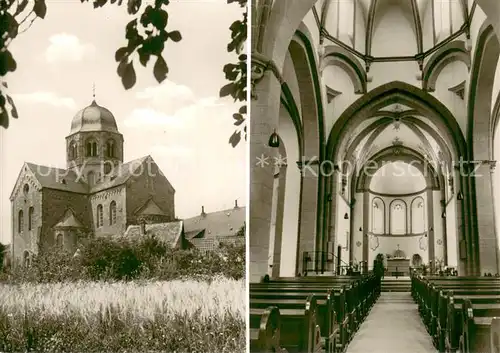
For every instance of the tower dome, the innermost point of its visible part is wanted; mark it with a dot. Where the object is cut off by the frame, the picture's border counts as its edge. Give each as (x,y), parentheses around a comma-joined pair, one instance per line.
(93,118)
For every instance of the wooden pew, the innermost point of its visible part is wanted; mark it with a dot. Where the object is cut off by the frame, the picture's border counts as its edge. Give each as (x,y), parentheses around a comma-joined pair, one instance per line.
(335,335)
(266,337)
(477,319)
(299,329)
(352,299)
(440,303)
(326,317)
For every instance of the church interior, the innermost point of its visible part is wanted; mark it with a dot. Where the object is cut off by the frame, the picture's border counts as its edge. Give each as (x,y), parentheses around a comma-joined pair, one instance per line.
(374,197)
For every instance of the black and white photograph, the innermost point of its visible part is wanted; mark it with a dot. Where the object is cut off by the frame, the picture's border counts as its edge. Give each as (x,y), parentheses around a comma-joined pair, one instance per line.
(123,178)
(374,204)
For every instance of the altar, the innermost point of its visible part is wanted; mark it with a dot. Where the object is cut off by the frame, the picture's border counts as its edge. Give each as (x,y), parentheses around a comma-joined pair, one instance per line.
(398,266)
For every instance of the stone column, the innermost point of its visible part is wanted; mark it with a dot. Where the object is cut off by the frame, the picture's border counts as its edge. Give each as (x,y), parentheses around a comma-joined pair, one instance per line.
(488,244)
(278,231)
(266,91)
(462,224)
(309,203)
(366,224)
(430,222)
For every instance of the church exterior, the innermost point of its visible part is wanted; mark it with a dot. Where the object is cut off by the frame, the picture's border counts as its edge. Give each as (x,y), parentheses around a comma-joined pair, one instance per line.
(96,195)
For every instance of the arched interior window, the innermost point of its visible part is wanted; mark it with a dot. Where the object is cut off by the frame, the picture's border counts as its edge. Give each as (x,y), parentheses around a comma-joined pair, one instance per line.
(20,221)
(417,216)
(91,149)
(378,216)
(398,217)
(59,240)
(112,213)
(30,218)
(111,149)
(99,216)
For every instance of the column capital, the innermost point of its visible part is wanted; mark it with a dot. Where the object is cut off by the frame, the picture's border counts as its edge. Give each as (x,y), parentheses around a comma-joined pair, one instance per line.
(260,64)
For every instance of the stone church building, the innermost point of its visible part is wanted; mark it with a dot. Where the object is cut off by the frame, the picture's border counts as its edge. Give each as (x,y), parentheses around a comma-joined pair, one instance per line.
(374,131)
(97,194)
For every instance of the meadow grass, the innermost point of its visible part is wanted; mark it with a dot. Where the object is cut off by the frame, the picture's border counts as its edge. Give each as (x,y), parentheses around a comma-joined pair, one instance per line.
(136,316)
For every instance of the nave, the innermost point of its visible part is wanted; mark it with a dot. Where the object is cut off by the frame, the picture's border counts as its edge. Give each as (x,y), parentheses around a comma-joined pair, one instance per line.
(369,314)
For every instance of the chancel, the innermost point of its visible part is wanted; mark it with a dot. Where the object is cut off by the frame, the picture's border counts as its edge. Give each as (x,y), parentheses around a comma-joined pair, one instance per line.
(397,104)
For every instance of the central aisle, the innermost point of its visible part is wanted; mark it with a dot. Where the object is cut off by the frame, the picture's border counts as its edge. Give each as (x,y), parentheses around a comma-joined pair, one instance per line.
(392,326)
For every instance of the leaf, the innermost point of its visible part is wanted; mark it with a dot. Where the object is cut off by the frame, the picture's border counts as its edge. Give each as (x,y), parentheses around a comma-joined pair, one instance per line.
(243,109)
(129,78)
(175,36)
(133,6)
(235,138)
(143,56)
(226,90)
(161,69)
(13,112)
(7,63)
(121,67)
(40,8)
(121,53)
(21,7)
(4,117)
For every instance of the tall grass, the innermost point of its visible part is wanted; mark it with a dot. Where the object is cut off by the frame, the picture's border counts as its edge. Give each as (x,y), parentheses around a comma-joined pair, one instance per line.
(134,316)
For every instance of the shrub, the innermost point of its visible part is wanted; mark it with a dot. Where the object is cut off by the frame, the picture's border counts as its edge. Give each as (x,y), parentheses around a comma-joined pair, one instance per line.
(122,259)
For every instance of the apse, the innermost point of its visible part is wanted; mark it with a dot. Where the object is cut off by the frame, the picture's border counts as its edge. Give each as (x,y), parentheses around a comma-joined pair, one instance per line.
(397,178)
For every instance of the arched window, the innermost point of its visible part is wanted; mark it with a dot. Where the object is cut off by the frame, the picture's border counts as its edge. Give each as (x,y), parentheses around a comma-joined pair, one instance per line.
(26,258)
(26,189)
(417,216)
(99,216)
(73,154)
(59,240)
(378,216)
(112,213)
(398,217)
(20,222)
(91,149)
(30,218)
(110,149)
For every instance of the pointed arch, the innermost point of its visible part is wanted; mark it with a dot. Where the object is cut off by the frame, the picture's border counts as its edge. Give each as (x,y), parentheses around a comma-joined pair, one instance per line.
(453,51)
(335,55)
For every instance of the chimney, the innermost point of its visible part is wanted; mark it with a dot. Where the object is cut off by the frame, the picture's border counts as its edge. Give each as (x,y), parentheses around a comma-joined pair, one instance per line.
(236,204)
(203,210)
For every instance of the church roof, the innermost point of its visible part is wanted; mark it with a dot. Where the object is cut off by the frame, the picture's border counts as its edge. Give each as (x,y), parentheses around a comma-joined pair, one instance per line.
(69,220)
(93,118)
(121,174)
(150,208)
(167,232)
(57,178)
(216,224)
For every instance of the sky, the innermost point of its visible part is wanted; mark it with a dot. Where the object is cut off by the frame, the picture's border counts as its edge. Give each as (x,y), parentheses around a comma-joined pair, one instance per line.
(181,122)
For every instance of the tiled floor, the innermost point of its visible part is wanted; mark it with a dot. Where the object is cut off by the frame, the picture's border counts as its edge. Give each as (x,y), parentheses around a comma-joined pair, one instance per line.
(392,326)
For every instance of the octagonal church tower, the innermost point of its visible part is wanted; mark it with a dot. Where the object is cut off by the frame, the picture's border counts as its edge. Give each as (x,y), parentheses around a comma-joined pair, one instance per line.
(94,145)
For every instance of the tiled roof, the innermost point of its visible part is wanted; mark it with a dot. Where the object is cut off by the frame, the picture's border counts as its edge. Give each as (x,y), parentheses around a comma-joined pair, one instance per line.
(121,174)
(167,232)
(69,221)
(217,224)
(65,180)
(57,178)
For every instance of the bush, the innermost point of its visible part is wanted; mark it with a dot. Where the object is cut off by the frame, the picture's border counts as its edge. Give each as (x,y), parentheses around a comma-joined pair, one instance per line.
(121,259)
